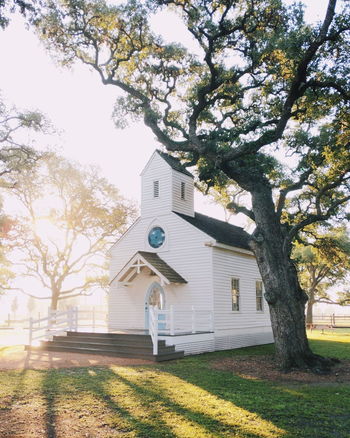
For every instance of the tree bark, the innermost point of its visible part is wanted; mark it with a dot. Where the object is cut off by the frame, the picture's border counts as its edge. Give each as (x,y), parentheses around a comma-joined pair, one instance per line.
(283,293)
(54,300)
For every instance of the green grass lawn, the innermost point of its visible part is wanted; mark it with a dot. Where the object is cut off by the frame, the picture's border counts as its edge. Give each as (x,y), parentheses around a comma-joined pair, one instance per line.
(185,398)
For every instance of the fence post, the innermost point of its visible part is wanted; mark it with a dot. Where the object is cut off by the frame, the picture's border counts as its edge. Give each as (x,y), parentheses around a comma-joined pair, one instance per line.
(172,330)
(193,320)
(49,322)
(30,330)
(155,327)
(76,318)
(70,318)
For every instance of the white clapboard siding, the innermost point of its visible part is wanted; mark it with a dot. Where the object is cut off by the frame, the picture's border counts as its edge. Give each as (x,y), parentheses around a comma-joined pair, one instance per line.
(185,251)
(192,344)
(228,264)
(242,340)
(184,206)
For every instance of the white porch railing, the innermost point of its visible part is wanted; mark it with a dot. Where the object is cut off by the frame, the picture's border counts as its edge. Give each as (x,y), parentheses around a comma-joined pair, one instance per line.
(153,327)
(55,323)
(176,321)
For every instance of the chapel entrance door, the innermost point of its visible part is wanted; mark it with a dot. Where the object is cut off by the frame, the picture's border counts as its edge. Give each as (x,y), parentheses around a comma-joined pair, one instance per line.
(154,297)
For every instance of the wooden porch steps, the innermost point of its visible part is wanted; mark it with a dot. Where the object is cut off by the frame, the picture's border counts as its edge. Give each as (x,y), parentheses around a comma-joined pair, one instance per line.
(110,344)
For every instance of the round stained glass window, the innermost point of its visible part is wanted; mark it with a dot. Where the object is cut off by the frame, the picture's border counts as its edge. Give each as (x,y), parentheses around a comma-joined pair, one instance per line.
(156,237)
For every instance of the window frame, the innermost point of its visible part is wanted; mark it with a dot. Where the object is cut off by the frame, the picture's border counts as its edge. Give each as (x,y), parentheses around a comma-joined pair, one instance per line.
(259,298)
(235,303)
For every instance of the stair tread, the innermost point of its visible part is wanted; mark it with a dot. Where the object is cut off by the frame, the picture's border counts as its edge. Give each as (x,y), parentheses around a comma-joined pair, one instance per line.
(110,341)
(109,347)
(160,356)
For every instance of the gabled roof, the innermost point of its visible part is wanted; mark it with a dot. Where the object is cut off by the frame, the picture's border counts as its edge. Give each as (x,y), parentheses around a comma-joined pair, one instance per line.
(161,266)
(221,231)
(174,163)
(150,260)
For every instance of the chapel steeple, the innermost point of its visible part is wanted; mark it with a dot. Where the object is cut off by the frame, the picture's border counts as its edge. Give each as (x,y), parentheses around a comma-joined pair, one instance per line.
(166,186)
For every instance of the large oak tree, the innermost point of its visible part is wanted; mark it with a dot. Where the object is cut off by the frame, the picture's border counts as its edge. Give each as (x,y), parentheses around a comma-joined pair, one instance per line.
(259,84)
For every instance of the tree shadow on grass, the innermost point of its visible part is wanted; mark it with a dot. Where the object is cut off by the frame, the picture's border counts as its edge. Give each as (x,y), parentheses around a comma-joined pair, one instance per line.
(301,410)
(121,416)
(138,403)
(50,390)
(195,412)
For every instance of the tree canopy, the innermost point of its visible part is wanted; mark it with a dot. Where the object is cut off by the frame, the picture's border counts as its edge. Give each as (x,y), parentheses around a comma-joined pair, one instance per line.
(265,81)
(71,215)
(262,98)
(25,7)
(15,156)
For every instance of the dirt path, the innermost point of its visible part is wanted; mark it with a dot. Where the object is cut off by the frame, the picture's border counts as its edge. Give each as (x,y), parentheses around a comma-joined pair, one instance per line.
(16,358)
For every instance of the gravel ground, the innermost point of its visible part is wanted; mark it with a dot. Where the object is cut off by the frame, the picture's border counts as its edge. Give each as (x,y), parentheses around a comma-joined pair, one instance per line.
(16,358)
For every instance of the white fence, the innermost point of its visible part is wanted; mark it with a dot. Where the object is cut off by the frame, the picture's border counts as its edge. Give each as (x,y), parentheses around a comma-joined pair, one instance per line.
(56,322)
(333,320)
(176,321)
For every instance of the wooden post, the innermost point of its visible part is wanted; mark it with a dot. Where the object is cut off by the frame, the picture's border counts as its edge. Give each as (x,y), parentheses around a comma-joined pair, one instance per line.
(76,319)
(156,331)
(172,329)
(193,320)
(30,330)
(153,324)
(70,318)
(49,320)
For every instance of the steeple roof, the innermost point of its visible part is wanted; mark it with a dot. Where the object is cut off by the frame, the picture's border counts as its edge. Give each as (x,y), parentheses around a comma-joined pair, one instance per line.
(174,163)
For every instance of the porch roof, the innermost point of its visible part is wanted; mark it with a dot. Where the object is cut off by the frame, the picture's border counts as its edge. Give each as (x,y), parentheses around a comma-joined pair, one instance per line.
(148,260)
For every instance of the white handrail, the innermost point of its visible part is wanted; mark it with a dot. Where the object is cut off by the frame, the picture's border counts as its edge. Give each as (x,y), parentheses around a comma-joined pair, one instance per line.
(153,327)
(178,321)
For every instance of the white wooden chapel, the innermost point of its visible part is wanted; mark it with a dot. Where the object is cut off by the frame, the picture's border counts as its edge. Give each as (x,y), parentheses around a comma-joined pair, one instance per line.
(197,270)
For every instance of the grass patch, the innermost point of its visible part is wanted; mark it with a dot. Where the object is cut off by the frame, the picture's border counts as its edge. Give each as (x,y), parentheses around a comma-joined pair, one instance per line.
(185,398)
(331,343)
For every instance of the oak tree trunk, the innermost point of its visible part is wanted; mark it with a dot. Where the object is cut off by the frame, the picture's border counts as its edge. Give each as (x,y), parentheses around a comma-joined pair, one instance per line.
(283,293)
(54,300)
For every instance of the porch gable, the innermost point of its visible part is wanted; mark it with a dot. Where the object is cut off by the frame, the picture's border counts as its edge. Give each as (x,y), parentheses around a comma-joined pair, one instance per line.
(151,262)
